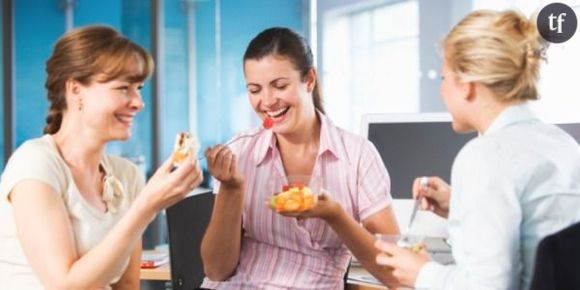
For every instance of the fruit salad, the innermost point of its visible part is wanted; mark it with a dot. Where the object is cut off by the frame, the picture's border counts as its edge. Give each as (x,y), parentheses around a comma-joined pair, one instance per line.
(293,198)
(415,248)
(414,243)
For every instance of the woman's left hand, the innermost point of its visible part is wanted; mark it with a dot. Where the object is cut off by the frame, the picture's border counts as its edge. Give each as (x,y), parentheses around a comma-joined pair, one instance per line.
(406,264)
(325,208)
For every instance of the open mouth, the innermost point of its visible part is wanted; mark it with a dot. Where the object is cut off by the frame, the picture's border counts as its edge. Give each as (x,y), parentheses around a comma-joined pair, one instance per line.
(125,119)
(278,113)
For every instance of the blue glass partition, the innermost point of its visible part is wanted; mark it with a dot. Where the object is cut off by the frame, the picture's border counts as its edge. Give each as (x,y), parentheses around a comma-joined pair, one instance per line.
(33,42)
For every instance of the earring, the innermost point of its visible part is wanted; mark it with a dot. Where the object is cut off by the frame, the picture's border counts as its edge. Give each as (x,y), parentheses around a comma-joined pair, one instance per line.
(80,105)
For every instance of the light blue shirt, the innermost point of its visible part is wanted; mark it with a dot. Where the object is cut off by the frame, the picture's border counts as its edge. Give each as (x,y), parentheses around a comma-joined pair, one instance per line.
(513,185)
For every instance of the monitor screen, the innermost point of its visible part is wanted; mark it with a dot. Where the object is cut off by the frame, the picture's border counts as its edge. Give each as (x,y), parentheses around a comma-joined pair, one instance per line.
(422,144)
(411,145)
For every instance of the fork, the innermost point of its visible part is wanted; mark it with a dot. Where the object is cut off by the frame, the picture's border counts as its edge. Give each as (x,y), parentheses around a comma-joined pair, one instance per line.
(405,238)
(424,181)
(243,136)
(238,138)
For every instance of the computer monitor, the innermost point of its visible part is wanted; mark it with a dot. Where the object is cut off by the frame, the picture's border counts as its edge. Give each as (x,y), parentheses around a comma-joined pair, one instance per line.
(422,144)
(414,144)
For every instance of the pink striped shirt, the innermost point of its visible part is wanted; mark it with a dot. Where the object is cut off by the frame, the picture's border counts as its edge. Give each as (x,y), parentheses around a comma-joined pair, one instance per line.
(283,253)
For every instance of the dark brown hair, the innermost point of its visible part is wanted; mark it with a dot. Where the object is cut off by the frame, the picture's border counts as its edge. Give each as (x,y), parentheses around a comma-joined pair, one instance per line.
(82,55)
(284,42)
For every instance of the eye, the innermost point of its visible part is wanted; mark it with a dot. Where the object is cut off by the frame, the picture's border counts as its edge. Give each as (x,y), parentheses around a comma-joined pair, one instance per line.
(122,88)
(281,86)
(253,90)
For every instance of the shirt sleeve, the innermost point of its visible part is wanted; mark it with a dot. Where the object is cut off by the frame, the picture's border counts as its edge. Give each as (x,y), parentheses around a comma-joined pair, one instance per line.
(374,184)
(484,223)
(32,161)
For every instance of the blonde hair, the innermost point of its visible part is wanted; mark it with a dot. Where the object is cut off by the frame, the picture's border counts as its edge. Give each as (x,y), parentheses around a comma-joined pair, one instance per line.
(500,50)
(82,55)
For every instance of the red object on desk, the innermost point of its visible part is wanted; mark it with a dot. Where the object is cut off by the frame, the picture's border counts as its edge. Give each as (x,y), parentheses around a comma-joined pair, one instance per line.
(153,259)
(148,264)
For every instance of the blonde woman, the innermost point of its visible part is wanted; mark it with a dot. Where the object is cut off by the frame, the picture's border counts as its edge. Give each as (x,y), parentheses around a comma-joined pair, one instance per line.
(71,216)
(516,183)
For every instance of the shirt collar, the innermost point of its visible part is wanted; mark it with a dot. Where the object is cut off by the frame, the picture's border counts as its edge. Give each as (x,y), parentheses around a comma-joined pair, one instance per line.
(330,138)
(330,141)
(511,115)
(264,146)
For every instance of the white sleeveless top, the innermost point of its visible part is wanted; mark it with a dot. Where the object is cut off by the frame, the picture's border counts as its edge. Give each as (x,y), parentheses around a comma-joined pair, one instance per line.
(39,159)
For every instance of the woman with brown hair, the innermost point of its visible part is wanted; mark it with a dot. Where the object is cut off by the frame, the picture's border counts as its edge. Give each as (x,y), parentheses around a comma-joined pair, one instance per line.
(72,216)
(248,245)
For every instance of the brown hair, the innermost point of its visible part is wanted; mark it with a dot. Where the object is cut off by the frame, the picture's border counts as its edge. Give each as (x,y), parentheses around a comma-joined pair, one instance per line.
(82,55)
(500,49)
(281,41)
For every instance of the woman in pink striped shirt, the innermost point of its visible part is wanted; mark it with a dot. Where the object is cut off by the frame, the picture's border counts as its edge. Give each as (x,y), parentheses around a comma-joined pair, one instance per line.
(249,246)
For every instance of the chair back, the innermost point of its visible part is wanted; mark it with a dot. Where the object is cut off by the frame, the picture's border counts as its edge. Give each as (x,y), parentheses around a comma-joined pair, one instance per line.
(186,224)
(557,265)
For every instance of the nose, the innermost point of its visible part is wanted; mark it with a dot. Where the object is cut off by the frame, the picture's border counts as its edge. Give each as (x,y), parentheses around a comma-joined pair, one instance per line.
(136,101)
(268,98)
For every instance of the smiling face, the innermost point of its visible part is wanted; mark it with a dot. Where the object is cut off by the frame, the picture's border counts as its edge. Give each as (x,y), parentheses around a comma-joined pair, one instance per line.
(108,108)
(277,90)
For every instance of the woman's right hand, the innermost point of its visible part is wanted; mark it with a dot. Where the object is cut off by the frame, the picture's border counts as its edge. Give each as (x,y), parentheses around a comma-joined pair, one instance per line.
(169,185)
(222,164)
(434,194)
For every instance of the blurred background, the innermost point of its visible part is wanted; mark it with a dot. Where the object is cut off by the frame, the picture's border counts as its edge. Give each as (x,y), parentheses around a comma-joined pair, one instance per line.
(373,56)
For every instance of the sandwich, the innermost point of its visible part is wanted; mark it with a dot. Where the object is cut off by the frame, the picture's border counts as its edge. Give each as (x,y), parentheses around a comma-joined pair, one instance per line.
(186,145)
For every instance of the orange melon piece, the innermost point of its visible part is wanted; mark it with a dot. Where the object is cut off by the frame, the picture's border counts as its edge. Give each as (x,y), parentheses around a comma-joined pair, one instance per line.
(294,198)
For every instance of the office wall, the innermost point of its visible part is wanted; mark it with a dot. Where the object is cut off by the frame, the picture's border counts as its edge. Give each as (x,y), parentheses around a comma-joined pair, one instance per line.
(436,18)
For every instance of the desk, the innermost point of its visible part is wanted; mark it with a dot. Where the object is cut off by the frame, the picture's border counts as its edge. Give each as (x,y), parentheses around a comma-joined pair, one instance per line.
(163,273)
